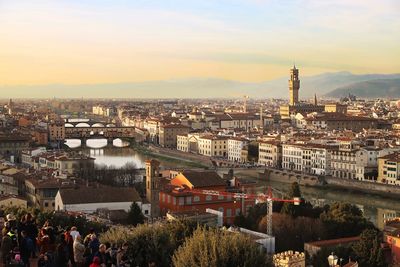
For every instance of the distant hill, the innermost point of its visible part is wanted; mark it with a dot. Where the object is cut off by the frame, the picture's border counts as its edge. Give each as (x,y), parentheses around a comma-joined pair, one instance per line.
(384,88)
(321,84)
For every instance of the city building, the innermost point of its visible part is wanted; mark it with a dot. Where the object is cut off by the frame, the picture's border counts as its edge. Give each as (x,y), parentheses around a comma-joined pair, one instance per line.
(270,153)
(41,193)
(11,200)
(168,134)
(89,199)
(153,185)
(56,131)
(344,159)
(312,248)
(389,169)
(289,259)
(12,144)
(235,148)
(329,121)
(213,146)
(188,191)
(295,106)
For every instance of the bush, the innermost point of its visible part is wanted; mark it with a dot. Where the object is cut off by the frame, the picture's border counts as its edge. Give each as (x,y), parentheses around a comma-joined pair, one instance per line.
(58,219)
(214,247)
(151,243)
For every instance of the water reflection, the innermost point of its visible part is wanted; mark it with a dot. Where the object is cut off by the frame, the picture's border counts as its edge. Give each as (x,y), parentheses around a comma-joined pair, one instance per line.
(117,157)
(95,143)
(376,208)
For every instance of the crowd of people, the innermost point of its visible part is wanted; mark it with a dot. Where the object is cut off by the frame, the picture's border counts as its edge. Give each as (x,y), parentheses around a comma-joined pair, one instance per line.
(52,246)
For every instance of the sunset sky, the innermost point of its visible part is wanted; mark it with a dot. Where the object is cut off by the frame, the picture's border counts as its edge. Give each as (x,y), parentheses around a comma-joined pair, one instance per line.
(82,41)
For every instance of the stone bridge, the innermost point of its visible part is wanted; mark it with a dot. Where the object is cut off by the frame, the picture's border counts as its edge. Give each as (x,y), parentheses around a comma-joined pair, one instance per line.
(81,123)
(106,132)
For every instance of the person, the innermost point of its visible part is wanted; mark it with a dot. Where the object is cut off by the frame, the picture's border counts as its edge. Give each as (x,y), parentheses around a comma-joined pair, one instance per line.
(6,247)
(32,231)
(70,245)
(26,247)
(122,259)
(94,245)
(113,251)
(44,242)
(13,237)
(61,255)
(45,260)
(95,262)
(88,237)
(79,250)
(104,257)
(74,232)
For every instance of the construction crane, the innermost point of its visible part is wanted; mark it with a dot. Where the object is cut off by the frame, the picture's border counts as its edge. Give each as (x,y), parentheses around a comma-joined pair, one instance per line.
(261,198)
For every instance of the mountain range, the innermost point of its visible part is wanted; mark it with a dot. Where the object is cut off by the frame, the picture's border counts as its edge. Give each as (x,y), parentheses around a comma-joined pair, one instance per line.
(335,84)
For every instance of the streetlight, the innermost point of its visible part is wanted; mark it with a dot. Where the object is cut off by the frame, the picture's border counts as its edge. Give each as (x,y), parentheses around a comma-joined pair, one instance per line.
(332,260)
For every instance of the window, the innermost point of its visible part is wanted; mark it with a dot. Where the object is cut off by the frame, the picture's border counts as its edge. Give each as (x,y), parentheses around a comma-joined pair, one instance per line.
(208,198)
(196,199)
(237,212)
(229,212)
(189,200)
(46,204)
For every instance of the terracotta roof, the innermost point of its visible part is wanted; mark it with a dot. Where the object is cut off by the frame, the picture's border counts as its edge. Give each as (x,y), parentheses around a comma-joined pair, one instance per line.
(204,178)
(98,195)
(332,242)
(392,157)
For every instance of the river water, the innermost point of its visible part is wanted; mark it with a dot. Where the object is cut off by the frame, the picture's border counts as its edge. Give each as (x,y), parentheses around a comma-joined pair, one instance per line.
(376,208)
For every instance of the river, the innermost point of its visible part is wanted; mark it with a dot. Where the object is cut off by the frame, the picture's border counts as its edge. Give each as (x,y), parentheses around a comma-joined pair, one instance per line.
(375,207)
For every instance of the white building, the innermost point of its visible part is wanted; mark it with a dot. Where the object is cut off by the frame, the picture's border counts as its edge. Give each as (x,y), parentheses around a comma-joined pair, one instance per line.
(292,157)
(235,147)
(89,199)
(270,153)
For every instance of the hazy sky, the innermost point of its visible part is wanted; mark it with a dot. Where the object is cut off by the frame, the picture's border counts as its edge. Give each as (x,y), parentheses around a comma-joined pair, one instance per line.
(82,41)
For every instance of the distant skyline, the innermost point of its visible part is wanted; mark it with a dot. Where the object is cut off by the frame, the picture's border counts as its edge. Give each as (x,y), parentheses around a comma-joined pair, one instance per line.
(95,42)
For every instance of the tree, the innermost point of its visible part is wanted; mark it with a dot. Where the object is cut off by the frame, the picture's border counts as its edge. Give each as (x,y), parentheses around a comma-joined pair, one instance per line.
(291,232)
(151,243)
(290,208)
(368,251)
(135,215)
(342,252)
(344,220)
(214,247)
(253,152)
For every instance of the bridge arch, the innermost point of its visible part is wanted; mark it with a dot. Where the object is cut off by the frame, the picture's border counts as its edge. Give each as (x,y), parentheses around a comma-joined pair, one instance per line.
(98,124)
(69,125)
(82,124)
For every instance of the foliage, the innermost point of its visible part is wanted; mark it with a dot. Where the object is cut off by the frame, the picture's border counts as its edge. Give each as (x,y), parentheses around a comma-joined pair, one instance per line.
(291,233)
(368,251)
(109,175)
(344,220)
(290,208)
(214,247)
(253,151)
(116,235)
(151,243)
(342,252)
(61,220)
(135,215)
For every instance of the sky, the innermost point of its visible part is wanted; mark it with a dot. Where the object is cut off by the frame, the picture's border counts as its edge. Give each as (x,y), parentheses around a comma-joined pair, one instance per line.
(99,41)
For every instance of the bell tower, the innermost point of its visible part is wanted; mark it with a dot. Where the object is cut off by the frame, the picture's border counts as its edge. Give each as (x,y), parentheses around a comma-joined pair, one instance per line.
(153,186)
(294,86)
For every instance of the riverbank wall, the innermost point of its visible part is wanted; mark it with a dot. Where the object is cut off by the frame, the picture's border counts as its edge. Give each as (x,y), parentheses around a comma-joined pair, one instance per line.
(329,181)
(179,155)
